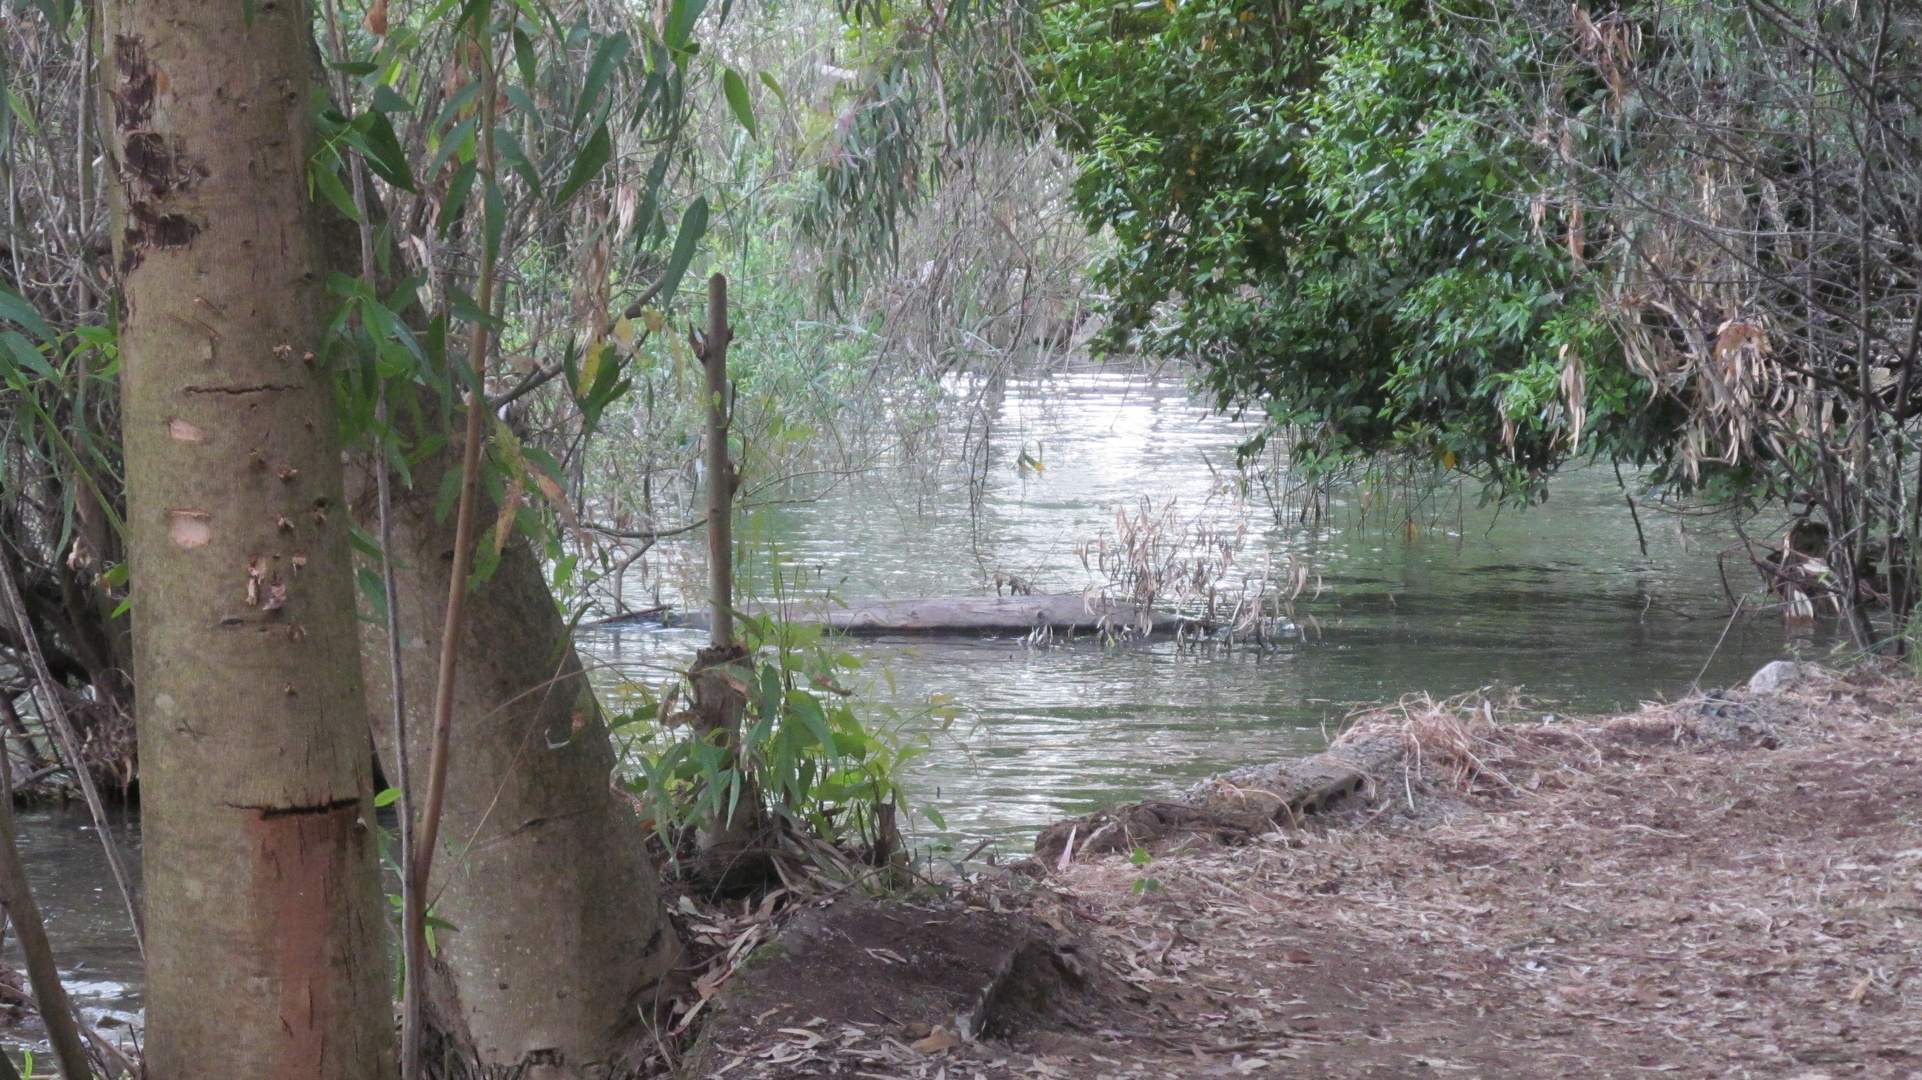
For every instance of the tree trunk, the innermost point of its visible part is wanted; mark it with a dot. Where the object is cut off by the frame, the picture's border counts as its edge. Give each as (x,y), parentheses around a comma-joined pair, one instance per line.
(267,952)
(727,835)
(560,944)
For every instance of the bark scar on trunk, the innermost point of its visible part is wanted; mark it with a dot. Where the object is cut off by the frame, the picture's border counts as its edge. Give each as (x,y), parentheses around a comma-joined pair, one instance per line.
(262,388)
(133,99)
(307,860)
(269,813)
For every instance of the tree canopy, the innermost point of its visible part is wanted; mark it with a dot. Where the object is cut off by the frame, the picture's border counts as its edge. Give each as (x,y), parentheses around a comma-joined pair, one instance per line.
(1310,200)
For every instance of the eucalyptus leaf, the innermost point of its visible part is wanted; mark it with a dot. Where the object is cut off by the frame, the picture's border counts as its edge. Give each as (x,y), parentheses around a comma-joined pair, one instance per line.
(322,174)
(15,307)
(679,27)
(593,158)
(735,88)
(686,243)
(607,56)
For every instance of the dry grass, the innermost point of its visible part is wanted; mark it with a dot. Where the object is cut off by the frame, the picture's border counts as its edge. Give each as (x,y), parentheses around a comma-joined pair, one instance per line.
(1722,887)
(1729,886)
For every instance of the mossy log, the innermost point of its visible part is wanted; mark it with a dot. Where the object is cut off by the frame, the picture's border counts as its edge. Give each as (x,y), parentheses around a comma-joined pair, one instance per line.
(1234,806)
(1060,614)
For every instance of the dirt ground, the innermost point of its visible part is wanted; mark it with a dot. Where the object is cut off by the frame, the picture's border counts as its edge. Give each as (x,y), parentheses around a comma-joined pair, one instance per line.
(1725,887)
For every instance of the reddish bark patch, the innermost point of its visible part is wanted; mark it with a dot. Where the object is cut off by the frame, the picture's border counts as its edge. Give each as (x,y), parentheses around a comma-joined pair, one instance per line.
(308,858)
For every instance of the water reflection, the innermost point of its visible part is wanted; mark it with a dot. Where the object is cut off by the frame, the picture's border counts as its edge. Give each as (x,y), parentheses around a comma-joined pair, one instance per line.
(1559,599)
(85,917)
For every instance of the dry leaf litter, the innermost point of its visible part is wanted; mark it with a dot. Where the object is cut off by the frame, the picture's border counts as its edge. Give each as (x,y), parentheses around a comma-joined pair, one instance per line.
(1729,886)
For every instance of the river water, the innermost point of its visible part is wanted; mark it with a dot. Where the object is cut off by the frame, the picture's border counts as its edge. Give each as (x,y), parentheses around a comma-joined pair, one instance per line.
(1559,601)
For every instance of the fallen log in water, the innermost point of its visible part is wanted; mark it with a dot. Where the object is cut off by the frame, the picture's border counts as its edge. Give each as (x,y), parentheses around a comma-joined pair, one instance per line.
(1062,614)
(1436,750)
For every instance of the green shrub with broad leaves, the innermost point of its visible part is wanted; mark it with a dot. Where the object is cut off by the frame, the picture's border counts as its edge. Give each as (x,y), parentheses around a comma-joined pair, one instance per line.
(825,757)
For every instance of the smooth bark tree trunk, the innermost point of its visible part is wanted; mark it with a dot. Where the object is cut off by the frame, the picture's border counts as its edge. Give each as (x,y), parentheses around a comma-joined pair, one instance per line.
(267,947)
(725,838)
(561,944)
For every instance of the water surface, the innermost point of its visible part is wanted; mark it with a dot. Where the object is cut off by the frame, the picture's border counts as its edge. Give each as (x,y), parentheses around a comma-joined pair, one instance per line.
(1559,600)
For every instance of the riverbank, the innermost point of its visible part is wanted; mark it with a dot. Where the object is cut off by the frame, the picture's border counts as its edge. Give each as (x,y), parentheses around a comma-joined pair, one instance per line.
(1729,886)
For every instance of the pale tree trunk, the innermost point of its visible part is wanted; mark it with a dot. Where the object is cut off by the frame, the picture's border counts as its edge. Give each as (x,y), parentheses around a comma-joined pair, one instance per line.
(266,950)
(561,946)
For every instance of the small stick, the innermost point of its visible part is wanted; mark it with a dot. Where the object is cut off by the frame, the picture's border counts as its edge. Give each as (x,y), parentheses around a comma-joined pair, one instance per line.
(1697,684)
(428,834)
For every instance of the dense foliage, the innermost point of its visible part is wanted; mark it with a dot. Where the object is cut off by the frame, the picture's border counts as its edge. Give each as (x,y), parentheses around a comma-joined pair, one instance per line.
(1310,199)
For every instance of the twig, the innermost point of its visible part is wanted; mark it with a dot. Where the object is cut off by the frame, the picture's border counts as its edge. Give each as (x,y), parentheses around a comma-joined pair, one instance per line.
(1697,684)
(455,622)
(383,483)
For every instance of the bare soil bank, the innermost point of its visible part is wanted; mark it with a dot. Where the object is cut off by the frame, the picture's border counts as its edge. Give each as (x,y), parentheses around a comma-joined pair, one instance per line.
(1730,886)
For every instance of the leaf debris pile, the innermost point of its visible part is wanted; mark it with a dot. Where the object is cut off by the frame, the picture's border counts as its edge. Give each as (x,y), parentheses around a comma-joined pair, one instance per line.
(1728,886)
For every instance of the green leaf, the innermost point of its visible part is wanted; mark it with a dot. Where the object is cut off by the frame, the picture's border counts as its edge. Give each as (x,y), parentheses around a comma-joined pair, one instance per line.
(25,355)
(14,306)
(487,558)
(388,797)
(323,176)
(935,816)
(509,146)
(768,81)
(451,143)
(448,495)
(361,540)
(355,68)
(524,57)
(693,227)
(456,200)
(493,218)
(735,88)
(523,101)
(463,307)
(386,101)
(593,158)
(374,589)
(18,106)
(611,51)
(462,99)
(651,200)
(806,706)
(58,13)
(679,26)
(383,153)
